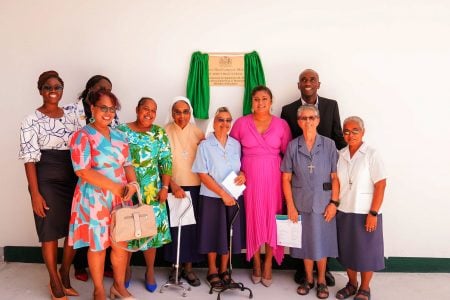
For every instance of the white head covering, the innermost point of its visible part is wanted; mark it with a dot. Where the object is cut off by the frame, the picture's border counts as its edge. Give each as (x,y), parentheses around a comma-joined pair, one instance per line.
(210,127)
(169,118)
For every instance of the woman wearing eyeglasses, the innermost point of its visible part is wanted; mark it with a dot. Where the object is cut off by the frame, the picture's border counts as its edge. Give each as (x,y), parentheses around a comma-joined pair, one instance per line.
(362,179)
(81,109)
(101,159)
(311,189)
(44,148)
(152,160)
(184,137)
(218,156)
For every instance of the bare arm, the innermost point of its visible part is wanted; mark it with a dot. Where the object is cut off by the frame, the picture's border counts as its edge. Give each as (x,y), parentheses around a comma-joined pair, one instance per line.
(330,210)
(163,192)
(37,201)
(287,191)
(95,178)
(177,191)
(211,184)
(377,200)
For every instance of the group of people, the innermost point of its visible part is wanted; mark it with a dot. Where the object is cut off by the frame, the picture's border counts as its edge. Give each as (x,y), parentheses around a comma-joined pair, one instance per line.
(81,163)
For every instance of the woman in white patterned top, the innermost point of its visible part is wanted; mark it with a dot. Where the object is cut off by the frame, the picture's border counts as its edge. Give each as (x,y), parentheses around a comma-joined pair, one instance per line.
(44,139)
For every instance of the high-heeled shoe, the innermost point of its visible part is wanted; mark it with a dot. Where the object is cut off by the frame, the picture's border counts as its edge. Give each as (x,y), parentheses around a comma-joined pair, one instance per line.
(68,291)
(266,282)
(255,279)
(113,293)
(53,296)
(151,287)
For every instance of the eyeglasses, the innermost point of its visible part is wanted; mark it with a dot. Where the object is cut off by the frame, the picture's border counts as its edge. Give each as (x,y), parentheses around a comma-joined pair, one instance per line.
(354,132)
(221,120)
(311,118)
(105,108)
(184,112)
(48,88)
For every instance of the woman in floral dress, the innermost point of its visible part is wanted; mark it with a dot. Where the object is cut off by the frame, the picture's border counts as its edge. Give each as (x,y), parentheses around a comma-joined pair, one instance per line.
(101,160)
(152,160)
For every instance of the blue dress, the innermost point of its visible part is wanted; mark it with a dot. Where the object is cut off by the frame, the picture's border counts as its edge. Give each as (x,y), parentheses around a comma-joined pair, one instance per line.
(311,189)
(214,217)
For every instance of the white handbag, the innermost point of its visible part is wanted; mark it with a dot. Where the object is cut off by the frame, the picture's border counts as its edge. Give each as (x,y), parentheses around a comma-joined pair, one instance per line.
(133,222)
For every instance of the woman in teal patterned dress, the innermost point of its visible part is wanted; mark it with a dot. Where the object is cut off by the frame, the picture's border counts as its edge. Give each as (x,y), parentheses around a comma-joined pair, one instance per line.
(152,160)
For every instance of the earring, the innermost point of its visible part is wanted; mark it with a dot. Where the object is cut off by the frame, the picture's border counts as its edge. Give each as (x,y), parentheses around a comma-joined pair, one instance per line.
(91,120)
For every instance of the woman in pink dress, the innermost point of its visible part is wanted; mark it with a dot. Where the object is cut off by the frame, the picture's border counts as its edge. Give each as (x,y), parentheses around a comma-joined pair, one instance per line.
(264,138)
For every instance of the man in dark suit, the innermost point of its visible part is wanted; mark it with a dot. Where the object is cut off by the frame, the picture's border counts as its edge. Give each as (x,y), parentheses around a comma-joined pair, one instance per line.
(329,126)
(330,122)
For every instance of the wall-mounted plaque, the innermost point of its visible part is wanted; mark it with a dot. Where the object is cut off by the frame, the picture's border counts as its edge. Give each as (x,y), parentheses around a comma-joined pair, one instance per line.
(226,70)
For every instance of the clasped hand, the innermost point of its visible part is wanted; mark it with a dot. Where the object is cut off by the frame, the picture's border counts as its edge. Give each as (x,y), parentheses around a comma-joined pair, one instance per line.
(128,190)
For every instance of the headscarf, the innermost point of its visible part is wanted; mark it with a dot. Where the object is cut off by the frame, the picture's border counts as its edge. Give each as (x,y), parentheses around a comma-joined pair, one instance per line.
(210,127)
(169,118)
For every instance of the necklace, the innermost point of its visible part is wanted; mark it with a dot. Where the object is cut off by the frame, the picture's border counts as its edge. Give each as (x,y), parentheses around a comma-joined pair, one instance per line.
(311,157)
(350,167)
(311,166)
(222,147)
(183,143)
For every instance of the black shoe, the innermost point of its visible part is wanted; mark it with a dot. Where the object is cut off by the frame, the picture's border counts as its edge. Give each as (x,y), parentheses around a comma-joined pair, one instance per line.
(172,274)
(300,276)
(329,278)
(190,277)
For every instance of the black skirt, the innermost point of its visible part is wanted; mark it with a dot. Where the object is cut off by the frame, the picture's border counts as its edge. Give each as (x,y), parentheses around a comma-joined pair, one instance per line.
(214,226)
(56,182)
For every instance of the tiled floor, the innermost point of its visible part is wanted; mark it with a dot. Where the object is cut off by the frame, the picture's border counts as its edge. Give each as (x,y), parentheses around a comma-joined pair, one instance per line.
(29,281)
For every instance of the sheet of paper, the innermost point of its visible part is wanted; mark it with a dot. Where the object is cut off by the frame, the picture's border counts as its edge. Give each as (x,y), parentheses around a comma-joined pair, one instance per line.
(289,234)
(234,189)
(177,207)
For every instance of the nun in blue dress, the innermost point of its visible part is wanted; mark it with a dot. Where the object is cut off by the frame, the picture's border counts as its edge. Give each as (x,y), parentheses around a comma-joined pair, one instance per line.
(311,189)
(218,156)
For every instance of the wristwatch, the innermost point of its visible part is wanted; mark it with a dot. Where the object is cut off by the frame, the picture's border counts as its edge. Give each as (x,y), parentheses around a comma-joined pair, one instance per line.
(373,213)
(336,203)
(165,187)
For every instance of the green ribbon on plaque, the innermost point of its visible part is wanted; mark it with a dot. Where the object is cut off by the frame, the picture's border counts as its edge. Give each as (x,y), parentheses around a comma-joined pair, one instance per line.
(197,89)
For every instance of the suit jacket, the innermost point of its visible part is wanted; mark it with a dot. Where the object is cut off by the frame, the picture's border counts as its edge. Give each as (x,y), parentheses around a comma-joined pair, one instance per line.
(330,122)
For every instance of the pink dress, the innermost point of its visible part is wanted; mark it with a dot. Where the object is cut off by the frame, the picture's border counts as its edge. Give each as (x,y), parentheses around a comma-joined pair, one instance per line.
(92,205)
(261,160)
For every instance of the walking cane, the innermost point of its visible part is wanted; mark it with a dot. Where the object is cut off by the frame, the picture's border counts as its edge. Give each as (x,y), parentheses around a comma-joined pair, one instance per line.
(232,285)
(178,283)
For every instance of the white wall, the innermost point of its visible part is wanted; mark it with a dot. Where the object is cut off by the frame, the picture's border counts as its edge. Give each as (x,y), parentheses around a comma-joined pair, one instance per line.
(386,62)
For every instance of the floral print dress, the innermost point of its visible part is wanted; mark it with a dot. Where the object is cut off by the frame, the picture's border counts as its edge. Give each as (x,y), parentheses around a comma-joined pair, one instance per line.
(151,158)
(92,205)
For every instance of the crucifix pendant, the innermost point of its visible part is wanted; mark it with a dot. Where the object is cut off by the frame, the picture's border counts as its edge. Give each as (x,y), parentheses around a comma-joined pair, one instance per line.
(184,154)
(350,183)
(311,167)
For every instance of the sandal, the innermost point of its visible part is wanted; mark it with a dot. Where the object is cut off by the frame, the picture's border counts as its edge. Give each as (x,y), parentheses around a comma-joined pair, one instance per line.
(362,295)
(214,281)
(190,277)
(322,291)
(304,288)
(347,291)
(226,278)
